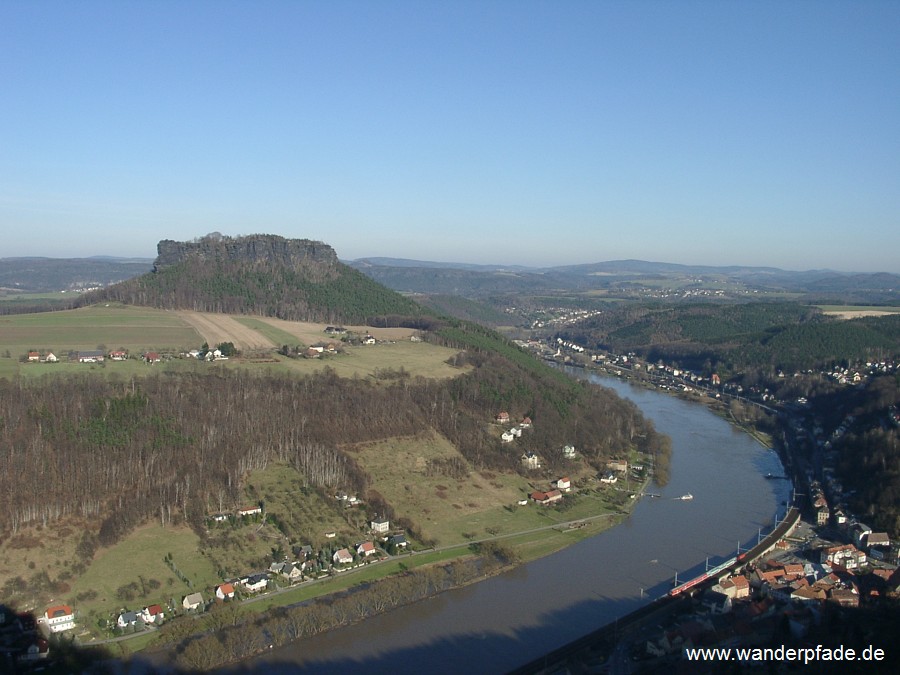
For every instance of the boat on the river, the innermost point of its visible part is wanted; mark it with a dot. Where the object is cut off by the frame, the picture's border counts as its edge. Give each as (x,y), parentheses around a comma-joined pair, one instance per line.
(686,497)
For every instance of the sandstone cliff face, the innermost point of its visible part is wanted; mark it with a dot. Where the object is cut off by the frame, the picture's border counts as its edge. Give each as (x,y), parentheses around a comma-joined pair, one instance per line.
(257,248)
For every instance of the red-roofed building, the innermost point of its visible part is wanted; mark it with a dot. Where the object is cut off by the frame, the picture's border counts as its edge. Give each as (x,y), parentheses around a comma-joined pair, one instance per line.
(366,549)
(563,484)
(225,591)
(152,614)
(59,618)
(546,497)
(502,417)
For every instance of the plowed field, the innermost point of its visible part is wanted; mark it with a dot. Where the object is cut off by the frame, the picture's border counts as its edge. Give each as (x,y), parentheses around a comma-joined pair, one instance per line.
(218,328)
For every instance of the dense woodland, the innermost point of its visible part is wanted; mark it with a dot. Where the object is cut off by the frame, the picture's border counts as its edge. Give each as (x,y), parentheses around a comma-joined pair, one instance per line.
(869,453)
(179,446)
(738,337)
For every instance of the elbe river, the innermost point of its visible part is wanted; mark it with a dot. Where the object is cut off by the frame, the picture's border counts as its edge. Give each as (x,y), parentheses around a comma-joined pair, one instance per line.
(510,619)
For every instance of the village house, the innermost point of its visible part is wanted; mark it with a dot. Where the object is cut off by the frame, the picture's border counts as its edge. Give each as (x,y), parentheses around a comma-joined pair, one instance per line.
(192,602)
(619,465)
(90,356)
(563,484)
(525,423)
(256,582)
(545,498)
(118,355)
(291,572)
(380,525)
(59,618)
(342,557)
(398,540)
(502,418)
(152,614)
(249,510)
(38,649)
(127,619)
(531,460)
(569,452)
(369,340)
(846,556)
(34,357)
(152,357)
(366,549)
(50,358)
(609,478)
(225,591)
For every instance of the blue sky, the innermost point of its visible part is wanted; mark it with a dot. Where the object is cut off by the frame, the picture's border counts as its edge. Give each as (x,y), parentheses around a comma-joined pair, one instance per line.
(538,133)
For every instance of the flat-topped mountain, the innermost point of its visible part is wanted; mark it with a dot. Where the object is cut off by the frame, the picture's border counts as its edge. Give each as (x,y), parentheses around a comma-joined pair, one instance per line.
(261,274)
(253,249)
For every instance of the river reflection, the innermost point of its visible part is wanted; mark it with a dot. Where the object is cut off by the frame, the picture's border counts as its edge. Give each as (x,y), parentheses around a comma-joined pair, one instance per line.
(513,618)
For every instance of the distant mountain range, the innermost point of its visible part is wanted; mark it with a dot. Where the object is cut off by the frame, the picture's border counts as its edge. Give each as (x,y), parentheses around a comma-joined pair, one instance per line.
(416,276)
(47,275)
(34,274)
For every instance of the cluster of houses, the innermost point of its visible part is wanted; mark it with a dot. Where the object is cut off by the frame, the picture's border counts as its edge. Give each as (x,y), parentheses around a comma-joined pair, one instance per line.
(529,459)
(749,608)
(94,356)
(306,563)
(554,494)
(150,615)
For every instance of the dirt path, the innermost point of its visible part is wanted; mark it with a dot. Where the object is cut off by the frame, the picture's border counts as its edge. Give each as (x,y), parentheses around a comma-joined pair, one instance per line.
(218,328)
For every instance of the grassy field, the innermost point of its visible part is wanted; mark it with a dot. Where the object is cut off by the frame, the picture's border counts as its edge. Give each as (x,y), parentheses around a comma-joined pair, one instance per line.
(301,508)
(6,296)
(276,335)
(140,329)
(140,556)
(455,510)
(115,326)
(417,358)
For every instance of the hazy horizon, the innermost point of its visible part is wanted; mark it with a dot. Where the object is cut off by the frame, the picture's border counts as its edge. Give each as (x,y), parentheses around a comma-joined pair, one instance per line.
(762,134)
(470,262)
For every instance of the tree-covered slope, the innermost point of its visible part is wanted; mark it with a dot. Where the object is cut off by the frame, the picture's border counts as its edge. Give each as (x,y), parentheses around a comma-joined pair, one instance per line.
(738,336)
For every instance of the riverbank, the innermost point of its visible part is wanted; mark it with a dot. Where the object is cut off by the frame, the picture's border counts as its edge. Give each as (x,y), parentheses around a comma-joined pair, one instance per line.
(517,615)
(189,634)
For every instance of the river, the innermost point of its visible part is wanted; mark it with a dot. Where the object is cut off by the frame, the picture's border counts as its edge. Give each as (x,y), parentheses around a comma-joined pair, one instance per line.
(512,618)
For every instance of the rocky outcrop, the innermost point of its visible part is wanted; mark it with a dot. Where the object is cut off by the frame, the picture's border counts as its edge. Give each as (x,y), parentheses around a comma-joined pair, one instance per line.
(256,248)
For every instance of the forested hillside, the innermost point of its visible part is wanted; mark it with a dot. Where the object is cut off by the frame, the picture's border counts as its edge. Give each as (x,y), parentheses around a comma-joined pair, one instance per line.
(177,447)
(738,337)
(868,454)
(297,280)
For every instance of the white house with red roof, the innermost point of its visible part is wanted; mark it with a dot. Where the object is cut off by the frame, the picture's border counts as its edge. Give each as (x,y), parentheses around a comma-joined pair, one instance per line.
(59,618)
(545,498)
(225,591)
(342,557)
(366,549)
(563,484)
(502,417)
(152,614)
